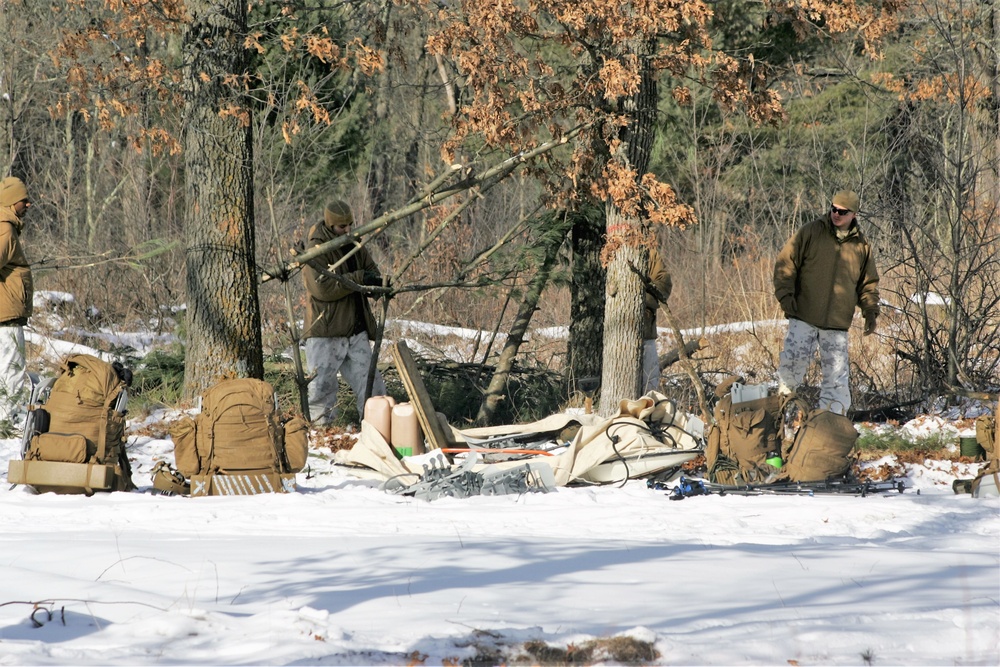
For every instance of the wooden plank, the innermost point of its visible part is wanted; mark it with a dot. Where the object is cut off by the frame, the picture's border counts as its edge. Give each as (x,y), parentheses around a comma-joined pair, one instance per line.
(426,415)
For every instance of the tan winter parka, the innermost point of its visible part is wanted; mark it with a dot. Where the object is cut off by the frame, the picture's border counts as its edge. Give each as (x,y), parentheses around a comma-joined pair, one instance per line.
(16,287)
(820,279)
(660,278)
(334,309)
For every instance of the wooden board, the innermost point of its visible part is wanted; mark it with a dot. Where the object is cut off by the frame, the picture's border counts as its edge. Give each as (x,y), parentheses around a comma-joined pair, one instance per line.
(426,415)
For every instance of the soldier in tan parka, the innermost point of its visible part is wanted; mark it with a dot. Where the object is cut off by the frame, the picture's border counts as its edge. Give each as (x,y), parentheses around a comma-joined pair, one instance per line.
(659,278)
(16,291)
(823,273)
(339,321)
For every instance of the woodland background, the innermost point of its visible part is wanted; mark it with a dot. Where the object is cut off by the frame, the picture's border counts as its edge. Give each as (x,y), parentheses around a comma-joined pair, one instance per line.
(713,129)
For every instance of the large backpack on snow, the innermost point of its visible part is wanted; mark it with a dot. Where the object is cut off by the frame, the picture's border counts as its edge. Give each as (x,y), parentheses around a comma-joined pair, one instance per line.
(745,431)
(74,436)
(238,444)
(821,448)
(815,444)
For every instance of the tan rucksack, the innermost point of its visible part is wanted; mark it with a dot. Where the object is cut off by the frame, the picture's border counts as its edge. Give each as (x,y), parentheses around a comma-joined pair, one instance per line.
(743,435)
(239,432)
(75,434)
(821,449)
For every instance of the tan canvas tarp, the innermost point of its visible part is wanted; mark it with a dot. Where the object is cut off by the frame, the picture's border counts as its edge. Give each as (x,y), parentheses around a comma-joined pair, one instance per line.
(373,452)
(646,426)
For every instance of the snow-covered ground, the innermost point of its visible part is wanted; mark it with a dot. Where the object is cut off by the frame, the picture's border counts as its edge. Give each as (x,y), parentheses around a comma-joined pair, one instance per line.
(342,573)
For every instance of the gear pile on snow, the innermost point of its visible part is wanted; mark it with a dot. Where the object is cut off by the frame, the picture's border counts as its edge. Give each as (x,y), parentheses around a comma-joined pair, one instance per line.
(647,436)
(759,436)
(74,434)
(237,444)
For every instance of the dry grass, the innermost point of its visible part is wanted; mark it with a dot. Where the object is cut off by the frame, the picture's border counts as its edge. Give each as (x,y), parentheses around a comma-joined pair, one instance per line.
(621,650)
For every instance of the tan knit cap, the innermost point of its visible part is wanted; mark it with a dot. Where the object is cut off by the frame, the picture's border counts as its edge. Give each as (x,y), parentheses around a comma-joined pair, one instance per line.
(337,213)
(12,190)
(847,199)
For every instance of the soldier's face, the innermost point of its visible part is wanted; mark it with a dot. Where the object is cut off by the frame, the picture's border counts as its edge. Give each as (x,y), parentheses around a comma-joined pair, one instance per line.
(841,217)
(21,207)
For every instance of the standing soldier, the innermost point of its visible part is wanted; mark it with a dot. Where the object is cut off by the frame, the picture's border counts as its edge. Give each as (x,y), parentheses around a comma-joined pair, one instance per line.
(822,274)
(659,278)
(339,321)
(15,297)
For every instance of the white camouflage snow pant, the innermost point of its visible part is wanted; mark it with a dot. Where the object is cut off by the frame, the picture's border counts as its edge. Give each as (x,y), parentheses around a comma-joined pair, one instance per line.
(650,367)
(351,357)
(800,348)
(14,382)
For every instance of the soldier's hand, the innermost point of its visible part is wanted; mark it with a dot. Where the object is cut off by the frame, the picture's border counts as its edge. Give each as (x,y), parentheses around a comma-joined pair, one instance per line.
(870,323)
(372,279)
(789,307)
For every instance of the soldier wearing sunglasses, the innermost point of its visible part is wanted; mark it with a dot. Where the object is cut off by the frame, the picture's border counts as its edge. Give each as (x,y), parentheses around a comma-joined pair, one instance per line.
(822,274)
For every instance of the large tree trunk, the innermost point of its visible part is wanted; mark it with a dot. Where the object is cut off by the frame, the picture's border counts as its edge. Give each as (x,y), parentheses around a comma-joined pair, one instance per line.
(622,367)
(586,323)
(224,338)
(621,376)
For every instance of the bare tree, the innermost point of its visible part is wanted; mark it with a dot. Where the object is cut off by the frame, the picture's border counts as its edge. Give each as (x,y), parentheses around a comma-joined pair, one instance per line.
(940,204)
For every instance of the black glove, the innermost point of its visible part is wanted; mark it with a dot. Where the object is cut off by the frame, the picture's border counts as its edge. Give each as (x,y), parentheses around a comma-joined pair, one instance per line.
(372,279)
(124,374)
(871,318)
(788,306)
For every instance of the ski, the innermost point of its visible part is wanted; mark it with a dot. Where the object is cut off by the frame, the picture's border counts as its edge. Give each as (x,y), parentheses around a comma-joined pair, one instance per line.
(687,487)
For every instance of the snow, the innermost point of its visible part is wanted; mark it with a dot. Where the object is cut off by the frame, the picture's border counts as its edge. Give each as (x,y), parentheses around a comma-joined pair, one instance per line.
(342,573)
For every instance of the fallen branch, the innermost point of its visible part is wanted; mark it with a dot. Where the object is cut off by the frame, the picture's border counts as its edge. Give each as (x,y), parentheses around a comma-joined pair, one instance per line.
(673,356)
(483,181)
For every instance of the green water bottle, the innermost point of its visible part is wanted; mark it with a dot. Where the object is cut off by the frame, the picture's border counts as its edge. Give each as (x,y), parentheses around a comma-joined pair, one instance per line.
(774,460)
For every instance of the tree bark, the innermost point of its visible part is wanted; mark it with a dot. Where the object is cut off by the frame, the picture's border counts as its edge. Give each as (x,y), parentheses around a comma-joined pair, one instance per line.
(621,375)
(223,316)
(586,326)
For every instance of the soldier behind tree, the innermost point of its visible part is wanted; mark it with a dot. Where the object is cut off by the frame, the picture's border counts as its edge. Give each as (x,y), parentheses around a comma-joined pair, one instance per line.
(659,278)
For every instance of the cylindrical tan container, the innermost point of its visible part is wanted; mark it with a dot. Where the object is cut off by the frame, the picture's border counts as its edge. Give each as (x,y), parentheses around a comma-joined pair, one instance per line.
(378,413)
(406,431)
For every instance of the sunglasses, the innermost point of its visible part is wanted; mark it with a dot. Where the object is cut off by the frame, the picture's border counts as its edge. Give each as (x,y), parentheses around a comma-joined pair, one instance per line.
(839,211)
